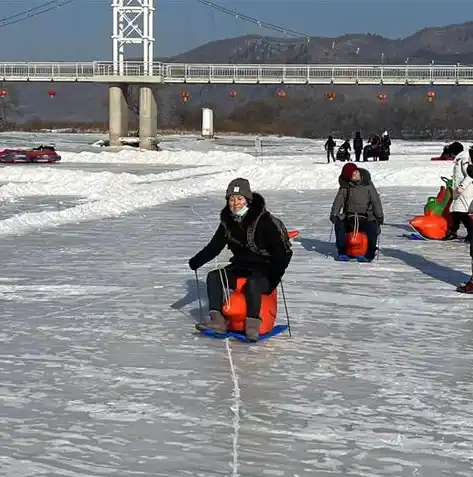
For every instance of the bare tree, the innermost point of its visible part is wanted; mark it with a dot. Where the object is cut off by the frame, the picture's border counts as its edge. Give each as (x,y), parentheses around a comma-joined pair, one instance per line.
(10,109)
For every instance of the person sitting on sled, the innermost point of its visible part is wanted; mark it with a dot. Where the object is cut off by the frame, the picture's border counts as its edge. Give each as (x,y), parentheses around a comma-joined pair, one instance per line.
(259,254)
(450,151)
(357,205)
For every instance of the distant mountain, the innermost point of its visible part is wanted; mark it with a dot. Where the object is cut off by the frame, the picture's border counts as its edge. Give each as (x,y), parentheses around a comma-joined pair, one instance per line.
(449,45)
(445,45)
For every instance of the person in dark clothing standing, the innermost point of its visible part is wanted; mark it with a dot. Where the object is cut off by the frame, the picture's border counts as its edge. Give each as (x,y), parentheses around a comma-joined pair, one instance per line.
(358,146)
(259,254)
(385,147)
(357,203)
(330,147)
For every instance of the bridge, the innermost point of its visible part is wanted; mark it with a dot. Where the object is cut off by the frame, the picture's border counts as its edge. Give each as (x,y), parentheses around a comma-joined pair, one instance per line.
(133,25)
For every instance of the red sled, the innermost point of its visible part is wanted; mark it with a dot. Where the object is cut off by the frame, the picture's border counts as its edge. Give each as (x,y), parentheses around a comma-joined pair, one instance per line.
(41,153)
(443,158)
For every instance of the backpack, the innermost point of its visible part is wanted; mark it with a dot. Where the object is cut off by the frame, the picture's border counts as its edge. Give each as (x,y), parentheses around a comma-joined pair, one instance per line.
(250,236)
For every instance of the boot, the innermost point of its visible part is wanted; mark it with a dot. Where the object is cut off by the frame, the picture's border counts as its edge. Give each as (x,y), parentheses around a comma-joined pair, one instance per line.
(215,321)
(467,287)
(252,326)
(451,236)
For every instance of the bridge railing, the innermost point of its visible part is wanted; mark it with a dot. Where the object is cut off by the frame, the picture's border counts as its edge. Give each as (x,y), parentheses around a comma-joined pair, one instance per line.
(25,71)
(68,71)
(317,74)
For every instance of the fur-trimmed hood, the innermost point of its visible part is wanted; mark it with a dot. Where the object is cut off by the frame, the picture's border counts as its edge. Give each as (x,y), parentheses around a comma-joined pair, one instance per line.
(365,180)
(256,208)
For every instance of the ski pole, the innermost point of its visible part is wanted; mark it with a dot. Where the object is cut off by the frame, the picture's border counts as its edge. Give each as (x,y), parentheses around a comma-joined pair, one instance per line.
(379,241)
(198,296)
(287,312)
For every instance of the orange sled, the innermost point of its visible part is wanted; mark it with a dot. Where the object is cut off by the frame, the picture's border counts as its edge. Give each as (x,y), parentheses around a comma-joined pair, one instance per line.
(235,310)
(356,244)
(430,226)
(236,313)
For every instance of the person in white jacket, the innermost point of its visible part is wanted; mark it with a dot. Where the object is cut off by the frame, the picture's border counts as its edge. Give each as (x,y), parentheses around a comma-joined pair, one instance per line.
(468,190)
(462,188)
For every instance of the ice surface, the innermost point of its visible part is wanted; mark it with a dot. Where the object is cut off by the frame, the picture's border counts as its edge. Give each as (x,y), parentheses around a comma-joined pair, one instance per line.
(102,373)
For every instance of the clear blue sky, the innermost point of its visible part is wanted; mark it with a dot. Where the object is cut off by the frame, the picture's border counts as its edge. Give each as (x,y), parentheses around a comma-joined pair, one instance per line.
(81,31)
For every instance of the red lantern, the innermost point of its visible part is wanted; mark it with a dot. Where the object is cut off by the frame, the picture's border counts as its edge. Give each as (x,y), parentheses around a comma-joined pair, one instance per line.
(185,96)
(233,94)
(52,93)
(3,93)
(430,96)
(331,95)
(281,93)
(382,96)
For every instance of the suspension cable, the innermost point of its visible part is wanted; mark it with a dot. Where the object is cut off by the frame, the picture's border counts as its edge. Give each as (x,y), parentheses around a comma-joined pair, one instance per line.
(33,12)
(255,21)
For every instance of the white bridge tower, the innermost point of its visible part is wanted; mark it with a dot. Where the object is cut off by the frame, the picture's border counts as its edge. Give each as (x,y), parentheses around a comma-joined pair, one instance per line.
(133,25)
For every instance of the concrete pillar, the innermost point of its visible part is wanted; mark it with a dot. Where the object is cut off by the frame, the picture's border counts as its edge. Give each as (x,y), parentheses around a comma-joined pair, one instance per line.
(118,113)
(207,123)
(148,118)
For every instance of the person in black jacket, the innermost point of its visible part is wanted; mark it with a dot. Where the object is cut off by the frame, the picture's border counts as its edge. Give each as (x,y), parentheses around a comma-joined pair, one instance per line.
(358,146)
(330,147)
(259,254)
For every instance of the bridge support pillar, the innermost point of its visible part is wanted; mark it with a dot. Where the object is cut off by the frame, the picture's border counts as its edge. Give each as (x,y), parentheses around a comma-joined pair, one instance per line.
(148,118)
(118,113)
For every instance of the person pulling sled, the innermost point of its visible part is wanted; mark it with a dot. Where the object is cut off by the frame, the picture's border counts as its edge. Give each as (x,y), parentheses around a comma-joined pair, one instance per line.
(260,250)
(357,206)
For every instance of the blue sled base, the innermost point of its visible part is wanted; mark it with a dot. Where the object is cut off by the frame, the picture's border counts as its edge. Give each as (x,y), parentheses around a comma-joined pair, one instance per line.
(235,335)
(414,236)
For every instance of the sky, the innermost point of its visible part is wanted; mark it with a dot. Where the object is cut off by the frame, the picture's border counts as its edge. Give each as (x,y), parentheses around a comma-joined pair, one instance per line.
(81,31)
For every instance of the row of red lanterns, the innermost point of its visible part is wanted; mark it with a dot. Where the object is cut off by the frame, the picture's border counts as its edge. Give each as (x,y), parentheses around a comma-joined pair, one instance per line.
(331,95)
(185,96)
(4,93)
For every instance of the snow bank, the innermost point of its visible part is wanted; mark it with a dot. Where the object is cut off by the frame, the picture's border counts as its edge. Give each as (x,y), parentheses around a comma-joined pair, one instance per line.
(106,194)
(233,152)
(137,156)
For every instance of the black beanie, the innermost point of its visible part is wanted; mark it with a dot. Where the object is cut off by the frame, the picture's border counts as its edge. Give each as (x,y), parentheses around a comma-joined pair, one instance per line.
(239,186)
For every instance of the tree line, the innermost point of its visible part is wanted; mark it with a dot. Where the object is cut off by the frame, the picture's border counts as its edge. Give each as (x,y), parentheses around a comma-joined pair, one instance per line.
(404,117)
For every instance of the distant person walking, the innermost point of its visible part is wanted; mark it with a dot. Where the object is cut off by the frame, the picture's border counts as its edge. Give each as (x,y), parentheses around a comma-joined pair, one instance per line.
(358,146)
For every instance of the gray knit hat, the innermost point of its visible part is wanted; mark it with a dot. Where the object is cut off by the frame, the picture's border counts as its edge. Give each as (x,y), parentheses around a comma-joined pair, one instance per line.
(239,186)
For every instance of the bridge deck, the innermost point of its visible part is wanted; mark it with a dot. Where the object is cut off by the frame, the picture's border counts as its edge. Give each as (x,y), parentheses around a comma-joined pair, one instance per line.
(134,72)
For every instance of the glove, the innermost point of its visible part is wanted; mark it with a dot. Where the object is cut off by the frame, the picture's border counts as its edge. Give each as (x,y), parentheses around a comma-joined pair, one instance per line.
(380,220)
(333,218)
(193,265)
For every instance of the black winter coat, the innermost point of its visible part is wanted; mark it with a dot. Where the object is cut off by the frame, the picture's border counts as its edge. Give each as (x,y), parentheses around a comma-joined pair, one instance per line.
(245,262)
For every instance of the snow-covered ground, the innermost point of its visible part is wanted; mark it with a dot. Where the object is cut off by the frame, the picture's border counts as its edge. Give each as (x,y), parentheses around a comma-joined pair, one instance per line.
(102,373)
